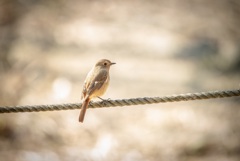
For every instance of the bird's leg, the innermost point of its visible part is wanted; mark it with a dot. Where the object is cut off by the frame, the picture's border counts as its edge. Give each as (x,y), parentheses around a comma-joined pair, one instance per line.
(104,101)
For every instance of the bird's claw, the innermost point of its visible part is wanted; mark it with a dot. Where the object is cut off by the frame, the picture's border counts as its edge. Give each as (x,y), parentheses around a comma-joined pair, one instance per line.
(104,102)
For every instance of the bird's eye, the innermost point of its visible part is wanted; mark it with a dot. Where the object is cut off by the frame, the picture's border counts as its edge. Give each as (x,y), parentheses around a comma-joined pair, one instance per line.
(105,64)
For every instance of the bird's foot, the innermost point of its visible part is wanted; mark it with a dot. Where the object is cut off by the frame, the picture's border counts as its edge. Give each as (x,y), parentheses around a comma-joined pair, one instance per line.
(104,101)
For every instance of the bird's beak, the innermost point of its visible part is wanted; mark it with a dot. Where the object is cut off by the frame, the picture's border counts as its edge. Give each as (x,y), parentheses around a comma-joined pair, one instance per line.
(113,63)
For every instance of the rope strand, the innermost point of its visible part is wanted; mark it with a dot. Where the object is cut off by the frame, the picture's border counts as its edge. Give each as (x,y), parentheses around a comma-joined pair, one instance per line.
(123,102)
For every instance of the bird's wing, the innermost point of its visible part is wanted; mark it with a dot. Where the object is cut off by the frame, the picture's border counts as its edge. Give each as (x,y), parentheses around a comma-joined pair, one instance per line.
(86,84)
(97,81)
(84,91)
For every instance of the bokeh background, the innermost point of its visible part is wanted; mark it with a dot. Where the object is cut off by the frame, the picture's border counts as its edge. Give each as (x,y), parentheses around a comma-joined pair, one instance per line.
(161,48)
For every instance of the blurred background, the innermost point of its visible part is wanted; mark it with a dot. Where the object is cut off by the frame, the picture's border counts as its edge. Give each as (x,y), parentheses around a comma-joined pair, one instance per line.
(161,48)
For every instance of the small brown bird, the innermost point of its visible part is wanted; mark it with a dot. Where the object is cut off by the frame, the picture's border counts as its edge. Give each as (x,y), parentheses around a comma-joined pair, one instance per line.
(95,84)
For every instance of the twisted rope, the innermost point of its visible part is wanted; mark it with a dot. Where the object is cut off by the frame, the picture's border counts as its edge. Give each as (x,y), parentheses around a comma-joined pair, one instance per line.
(124,102)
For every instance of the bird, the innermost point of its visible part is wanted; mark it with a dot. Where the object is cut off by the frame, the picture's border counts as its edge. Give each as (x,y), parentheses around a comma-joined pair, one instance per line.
(95,84)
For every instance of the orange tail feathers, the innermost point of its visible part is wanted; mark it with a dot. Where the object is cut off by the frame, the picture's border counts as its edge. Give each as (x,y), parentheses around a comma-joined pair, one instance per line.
(83,109)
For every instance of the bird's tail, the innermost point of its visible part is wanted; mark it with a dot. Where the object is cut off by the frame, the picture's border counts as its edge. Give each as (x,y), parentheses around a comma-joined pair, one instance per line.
(83,109)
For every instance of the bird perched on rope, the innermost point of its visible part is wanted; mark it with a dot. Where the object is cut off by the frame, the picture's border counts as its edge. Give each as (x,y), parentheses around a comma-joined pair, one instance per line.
(96,84)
